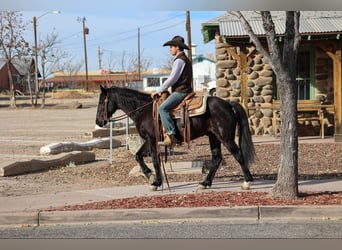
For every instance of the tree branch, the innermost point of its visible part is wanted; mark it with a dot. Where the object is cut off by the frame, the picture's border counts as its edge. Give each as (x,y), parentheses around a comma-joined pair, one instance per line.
(251,33)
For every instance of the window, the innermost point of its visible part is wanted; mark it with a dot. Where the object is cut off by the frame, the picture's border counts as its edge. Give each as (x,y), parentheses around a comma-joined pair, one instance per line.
(153,82)
(305,74)
(16,78)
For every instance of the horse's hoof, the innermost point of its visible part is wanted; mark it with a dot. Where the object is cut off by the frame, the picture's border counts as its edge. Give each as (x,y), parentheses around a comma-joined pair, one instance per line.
(151,179)
(245,185)
(153,188)
(201,186)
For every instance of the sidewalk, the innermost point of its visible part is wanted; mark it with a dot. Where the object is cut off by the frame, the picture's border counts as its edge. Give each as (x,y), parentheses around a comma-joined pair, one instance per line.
(26,210)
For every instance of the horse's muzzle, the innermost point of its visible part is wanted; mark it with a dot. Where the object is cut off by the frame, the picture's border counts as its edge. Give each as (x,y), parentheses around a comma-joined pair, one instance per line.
(100,123)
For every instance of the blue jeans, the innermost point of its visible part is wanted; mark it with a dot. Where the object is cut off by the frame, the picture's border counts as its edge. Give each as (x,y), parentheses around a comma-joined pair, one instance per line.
(164,111)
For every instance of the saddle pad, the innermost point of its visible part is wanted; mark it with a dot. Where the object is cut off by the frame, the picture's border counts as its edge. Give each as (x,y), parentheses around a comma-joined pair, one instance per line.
(196,106)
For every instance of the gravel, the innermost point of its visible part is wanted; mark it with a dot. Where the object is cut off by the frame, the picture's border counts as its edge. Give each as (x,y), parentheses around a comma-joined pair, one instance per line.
(27,129)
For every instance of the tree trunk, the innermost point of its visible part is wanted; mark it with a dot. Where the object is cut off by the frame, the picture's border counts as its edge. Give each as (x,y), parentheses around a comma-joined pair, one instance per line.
(287,180)
(12,101)
(285,69)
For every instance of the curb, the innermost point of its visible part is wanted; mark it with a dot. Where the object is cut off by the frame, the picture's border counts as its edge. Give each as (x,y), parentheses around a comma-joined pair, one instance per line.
(250,213)
(153,214)
(333,212)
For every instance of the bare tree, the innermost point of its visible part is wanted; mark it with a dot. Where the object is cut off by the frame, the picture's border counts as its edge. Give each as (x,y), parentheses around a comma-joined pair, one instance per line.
(69,69)
(169,62)
(129,64)
(123,61)
(12,43)
(284,66)
(111,62)
(50,57)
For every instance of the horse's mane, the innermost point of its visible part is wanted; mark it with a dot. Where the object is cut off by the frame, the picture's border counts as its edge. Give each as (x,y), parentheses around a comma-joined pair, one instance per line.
(131,97)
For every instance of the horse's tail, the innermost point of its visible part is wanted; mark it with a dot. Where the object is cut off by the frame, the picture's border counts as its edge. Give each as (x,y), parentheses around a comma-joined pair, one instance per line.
(245,138)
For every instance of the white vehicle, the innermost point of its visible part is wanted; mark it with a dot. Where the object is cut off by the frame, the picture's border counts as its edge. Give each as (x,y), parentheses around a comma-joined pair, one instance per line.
(211,87)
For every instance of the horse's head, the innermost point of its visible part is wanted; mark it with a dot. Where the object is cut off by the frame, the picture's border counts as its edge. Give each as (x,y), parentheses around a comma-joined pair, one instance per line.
(105,108)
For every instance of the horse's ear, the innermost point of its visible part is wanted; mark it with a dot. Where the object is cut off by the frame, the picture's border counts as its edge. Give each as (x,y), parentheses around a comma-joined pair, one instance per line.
(103,89)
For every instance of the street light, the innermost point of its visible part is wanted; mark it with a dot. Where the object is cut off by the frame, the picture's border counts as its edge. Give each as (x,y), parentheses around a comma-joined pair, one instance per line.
(36,50)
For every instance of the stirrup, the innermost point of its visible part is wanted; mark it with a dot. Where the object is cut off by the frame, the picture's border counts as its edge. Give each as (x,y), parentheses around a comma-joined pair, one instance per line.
(167,141)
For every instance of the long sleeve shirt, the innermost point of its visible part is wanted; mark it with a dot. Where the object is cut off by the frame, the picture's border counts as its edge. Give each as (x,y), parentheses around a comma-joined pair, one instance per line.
(177,69)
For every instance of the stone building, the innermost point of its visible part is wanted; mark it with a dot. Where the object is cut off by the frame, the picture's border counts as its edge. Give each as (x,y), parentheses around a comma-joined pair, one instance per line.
(245,75)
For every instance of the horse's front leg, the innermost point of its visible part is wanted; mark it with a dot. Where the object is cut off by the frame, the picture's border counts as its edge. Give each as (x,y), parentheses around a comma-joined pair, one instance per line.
(215,147)
(139,157)
(156,163)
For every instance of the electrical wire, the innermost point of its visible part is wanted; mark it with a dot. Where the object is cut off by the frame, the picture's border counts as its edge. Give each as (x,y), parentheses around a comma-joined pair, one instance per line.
(90,42)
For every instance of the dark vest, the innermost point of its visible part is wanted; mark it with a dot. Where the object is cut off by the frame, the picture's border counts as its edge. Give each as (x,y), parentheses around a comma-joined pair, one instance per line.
(183,85)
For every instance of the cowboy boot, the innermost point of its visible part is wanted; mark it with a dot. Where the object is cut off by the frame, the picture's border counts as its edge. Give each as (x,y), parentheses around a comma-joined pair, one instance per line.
(170,141)
(167,141)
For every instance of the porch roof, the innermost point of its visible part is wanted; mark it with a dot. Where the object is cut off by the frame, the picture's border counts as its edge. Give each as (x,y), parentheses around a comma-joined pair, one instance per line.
(311,23)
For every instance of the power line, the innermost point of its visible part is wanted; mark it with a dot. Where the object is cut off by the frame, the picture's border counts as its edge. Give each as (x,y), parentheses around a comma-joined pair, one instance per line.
(95,43)
(158,22)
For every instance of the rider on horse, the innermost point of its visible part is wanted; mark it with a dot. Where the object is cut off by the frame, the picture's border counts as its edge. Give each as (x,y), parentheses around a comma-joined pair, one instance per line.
(180,81)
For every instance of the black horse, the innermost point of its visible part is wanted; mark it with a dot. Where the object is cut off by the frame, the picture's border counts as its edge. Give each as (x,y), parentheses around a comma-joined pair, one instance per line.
(219,123)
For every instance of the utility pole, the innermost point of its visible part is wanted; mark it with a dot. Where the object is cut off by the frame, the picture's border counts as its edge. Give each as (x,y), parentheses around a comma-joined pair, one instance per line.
(85,32)
(188,30)
(36,87)
(139,63)
(99,54)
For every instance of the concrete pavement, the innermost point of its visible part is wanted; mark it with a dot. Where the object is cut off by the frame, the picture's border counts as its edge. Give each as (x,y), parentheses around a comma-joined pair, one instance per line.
(29,210)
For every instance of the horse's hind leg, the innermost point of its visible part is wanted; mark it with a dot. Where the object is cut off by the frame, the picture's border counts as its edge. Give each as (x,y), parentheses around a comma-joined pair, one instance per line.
(139,157)
(215,146)
(237,153)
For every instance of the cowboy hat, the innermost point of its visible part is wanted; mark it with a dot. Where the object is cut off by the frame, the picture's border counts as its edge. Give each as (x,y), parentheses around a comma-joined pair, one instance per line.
(177,41)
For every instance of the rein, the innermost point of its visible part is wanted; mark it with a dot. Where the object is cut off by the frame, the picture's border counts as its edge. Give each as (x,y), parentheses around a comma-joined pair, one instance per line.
(120,117)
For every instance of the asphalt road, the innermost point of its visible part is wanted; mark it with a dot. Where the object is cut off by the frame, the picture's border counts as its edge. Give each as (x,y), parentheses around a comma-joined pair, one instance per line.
(183,230)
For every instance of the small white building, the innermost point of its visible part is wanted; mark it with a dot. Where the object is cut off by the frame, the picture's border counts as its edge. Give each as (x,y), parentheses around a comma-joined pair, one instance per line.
(204,71)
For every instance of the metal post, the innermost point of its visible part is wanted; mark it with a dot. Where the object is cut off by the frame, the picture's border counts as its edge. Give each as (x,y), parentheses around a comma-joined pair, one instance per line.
(110,142)
(127,130)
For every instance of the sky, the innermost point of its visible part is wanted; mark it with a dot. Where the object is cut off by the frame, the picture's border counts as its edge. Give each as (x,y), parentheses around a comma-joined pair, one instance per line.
(116,32)
(113,25)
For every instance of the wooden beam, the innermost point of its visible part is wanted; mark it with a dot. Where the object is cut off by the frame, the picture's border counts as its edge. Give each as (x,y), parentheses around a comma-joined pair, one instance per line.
(233,54)
(243,75)
(242,59)
(334,52)
(338,94)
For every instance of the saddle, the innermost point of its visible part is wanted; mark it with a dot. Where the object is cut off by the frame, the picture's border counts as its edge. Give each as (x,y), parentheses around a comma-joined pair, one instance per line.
(192,105)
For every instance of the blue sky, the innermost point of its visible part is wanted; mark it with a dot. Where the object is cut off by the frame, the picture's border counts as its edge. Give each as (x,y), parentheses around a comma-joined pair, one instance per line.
(117,31)
(114,25)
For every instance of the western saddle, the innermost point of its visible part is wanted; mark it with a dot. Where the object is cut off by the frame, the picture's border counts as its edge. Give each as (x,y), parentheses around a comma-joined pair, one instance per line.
(191,105)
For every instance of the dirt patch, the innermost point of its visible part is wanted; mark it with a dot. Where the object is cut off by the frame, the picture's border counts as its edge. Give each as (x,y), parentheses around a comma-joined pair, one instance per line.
(26,130)
(210,199)
(100,174)
(70,95)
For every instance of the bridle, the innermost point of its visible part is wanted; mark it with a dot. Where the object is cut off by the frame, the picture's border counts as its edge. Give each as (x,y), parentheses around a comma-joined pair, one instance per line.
(105,109)
(120,117)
